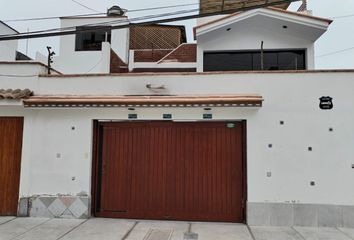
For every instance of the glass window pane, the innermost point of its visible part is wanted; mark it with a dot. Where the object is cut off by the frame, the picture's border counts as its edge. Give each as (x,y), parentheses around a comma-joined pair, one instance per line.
(271,61)
(292,60)
(227,61)
(91,40)
(246,61)
(256,61)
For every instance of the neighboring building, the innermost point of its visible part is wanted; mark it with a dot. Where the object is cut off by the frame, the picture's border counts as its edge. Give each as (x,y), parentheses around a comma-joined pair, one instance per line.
(246,138)
(90,52)
(8,49)
(145,48)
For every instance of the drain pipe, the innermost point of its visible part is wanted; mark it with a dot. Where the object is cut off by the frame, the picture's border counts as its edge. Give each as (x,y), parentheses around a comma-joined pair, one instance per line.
(189,235)
(262,56)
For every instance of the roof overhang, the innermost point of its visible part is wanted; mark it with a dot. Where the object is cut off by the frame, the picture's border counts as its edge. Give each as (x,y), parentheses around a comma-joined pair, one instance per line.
(244,100)
(9,27)
(215,6)
(313,27)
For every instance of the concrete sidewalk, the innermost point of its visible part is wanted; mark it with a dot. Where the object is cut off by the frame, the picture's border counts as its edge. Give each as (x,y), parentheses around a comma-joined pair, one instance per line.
(115,229)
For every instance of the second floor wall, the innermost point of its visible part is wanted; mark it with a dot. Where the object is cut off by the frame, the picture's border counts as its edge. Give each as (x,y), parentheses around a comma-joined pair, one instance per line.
(83,52)
(268,33)
(8,49)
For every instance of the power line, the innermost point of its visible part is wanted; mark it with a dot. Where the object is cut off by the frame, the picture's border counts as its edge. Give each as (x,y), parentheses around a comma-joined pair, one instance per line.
(335,52)
(49,18)
(82,5)
(96,26)
(6,75)
(130,24)
(93,67)
(344,16)
(98,14)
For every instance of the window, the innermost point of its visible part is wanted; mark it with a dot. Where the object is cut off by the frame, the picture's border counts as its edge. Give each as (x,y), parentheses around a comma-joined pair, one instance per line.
(91,40)
(251,60)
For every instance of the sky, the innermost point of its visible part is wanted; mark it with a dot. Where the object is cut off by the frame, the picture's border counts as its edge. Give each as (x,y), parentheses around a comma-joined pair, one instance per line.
(334,50)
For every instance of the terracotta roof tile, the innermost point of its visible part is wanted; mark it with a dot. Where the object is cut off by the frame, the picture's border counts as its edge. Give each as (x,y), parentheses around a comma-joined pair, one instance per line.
(15,94)
(243,100)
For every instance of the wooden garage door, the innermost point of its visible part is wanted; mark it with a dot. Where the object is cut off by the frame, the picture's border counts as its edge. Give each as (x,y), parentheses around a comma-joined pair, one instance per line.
(171,170)
(10,163)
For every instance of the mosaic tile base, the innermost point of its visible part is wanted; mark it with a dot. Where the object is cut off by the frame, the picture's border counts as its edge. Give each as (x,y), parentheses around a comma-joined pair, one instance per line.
(58,206)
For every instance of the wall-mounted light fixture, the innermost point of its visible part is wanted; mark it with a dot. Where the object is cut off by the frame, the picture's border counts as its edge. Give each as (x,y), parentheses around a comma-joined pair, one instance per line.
(155,89)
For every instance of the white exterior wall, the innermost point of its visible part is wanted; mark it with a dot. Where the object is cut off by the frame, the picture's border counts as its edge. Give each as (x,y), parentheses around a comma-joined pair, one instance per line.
(70,61)
(7,48)
(289,97)
(29,69)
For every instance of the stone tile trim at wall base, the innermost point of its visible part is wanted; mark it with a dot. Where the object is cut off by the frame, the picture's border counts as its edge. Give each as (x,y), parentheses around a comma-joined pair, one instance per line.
(307,215)
(55,207)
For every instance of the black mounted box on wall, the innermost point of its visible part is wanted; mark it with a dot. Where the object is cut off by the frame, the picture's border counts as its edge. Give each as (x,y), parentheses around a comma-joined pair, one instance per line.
(207,116)
(326,103)
(132,116)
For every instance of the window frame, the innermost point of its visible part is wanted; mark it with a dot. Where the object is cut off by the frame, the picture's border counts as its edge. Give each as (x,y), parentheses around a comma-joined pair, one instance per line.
(258,51)
(79,34)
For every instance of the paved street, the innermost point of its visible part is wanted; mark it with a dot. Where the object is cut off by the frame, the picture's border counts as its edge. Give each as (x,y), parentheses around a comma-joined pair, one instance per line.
(115,229)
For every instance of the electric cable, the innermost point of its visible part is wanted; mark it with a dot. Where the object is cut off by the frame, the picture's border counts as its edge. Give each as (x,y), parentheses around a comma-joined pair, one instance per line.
(125,20)
(134,19)
(335,52)
(7,75)
(82,5)
(45,33)
(97,14)
(344,16)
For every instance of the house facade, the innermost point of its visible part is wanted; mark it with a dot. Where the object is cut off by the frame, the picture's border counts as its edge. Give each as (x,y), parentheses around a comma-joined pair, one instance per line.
(244,129)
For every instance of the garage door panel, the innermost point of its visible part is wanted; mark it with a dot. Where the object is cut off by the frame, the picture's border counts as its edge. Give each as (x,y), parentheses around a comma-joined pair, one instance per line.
(207,188)
(148,169)
(167,170)
(179,168)
(11,129)
(116,157)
